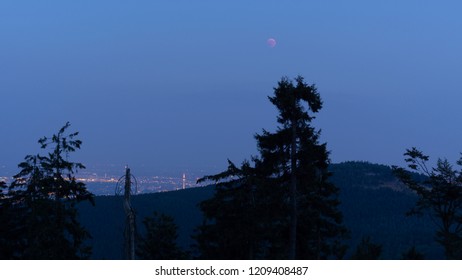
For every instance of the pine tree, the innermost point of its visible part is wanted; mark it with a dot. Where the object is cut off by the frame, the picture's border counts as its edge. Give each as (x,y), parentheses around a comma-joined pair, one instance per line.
(284,206)
(43,197)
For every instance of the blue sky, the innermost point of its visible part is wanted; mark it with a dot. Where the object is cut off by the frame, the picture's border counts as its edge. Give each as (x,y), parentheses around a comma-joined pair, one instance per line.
(182,85)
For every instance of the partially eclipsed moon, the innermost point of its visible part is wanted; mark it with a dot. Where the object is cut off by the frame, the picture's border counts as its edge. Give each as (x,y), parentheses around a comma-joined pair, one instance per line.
(271,42)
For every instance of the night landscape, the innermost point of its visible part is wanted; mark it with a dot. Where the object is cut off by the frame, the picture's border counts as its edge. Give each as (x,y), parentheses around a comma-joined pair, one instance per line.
(234,130)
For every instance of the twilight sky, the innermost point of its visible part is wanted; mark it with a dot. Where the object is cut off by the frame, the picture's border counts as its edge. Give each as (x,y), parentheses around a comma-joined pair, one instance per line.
(182,85)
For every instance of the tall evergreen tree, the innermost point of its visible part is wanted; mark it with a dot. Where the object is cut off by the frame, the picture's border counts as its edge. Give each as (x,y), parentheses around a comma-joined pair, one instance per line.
(439,196)
(286,194)
(42,199)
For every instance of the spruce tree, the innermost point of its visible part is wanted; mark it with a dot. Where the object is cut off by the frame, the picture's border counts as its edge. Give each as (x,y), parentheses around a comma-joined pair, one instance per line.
(43,199)
(298,163)
(284,205)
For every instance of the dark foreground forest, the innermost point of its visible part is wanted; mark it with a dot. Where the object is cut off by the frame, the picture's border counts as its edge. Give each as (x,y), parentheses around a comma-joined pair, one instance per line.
(374,205)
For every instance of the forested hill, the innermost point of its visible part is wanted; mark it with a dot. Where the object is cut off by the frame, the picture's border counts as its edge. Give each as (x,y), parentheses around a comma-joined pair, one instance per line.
(374,205)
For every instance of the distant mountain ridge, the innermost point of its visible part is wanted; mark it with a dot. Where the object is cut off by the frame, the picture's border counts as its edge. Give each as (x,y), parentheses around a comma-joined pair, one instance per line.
(374,204)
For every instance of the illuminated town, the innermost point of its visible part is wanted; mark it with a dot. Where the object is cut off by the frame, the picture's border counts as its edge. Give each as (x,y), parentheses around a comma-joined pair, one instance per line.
(106,184)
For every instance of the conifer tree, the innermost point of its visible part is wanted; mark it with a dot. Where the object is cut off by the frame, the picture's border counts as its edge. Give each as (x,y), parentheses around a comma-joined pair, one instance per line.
(284,205)
(42,199)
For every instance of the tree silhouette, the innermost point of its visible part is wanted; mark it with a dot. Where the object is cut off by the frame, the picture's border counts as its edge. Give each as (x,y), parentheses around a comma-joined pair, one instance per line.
(439,196)
(237,217)
(8,232)
(43,197)
(412,254)
(367,250)
(283,206)
(160,240)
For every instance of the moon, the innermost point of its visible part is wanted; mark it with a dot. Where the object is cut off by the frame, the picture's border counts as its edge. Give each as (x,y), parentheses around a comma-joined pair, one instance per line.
(271,42)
